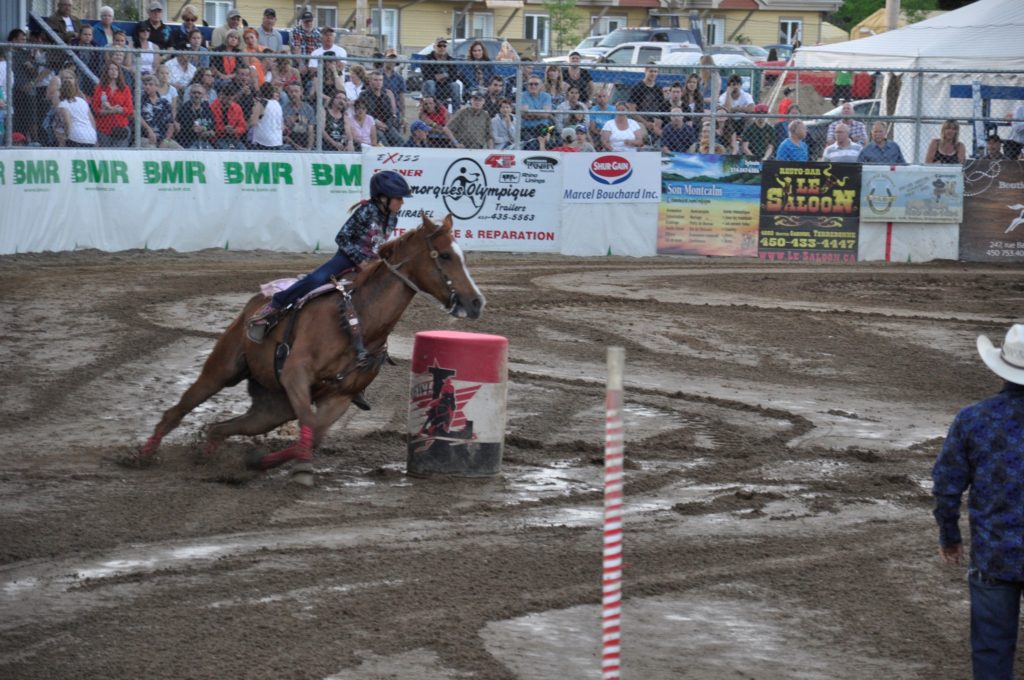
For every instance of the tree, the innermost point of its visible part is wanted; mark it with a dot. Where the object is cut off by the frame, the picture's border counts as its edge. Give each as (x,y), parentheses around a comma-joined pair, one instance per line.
(852,12)
(565,22)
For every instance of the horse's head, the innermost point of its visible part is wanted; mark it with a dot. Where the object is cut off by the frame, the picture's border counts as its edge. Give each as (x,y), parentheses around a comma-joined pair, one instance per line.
(431,261)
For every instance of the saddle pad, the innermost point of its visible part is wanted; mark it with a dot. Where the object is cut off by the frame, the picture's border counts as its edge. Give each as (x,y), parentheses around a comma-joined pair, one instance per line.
(270,287)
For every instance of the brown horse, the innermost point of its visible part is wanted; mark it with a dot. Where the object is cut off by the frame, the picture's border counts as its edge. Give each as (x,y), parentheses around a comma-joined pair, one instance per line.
(322,366)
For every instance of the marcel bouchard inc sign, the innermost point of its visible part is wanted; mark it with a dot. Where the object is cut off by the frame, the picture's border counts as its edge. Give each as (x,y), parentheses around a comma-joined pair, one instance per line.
(603,177)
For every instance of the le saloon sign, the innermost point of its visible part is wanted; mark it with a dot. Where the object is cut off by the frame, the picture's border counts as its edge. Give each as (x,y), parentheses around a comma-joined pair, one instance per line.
(603,177)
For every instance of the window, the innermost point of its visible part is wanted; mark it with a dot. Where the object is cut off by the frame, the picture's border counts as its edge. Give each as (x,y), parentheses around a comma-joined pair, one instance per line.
(648,54)
(327,16)
(215,12)
(790,30)
(714,30)
(538,27)
(621,55)
(606,24)
(481,25)
(388,28)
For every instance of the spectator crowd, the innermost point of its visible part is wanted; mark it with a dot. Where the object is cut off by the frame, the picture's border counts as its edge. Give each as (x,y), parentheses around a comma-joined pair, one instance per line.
(250,88)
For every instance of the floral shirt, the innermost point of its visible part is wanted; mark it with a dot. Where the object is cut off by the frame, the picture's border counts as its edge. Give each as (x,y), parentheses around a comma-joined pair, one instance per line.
(984,450)
(365,232)
(157,116)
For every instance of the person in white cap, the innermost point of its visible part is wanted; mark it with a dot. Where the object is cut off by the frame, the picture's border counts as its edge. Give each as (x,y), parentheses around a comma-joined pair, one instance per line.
(984,450)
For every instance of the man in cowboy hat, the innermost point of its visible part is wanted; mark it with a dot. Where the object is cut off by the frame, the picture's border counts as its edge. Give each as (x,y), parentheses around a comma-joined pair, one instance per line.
(984,450)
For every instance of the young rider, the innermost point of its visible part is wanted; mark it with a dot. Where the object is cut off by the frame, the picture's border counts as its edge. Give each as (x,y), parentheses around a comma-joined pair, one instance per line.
(359,239)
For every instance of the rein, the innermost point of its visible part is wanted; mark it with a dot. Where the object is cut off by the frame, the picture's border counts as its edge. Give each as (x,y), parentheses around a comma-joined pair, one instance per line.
(452,297)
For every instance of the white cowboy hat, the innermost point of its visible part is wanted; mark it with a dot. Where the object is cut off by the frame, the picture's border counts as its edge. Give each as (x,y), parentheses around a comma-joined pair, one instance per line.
(1006,362)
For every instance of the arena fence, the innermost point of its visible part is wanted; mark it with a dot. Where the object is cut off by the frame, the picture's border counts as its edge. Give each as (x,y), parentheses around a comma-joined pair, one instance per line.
(913,105)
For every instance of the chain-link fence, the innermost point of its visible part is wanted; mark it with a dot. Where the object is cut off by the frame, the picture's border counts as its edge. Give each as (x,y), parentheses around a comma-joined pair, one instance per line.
(232,99)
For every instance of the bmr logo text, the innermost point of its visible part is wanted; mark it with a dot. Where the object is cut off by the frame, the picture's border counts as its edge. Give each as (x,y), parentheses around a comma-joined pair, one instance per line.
(610,170)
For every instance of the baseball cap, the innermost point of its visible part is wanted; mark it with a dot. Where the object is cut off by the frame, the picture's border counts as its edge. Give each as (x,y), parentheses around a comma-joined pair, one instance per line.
(327,29)
(569,134)
(442,40)
(306,16)
(270,12)
(574,53)
(994,138)
(760,108)
(419,125)
(156,6)
(477,93)
(233,13)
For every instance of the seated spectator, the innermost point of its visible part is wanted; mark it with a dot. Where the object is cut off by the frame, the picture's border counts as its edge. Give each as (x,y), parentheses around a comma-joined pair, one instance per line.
(993,149)
(299,119)
(122,59)
(705,145)
(52,132)
(77,120)
(103,34)
(362,125)
(159,33)
(245,94)
(506,52)
(225,58)
(947,149)
(266,123)
(283,72)
(395,84)
(843,150)
(760,136)
(576,76)
(337,133)
(180,72)
(436,117)
(493,96)
(710,80)
(622,134)
(181,36)
(477,69)
(253,50)
(63,23)
(553,84)
(146,59)
(381,105)
(333,81)
(206,78)
(164,87)
(269,37)
(1015,140)
(440,76)
(195,44)
(858,133)
(736,102)
(418,133)
(232,23)
(646,96)
(112,106)
(880,150)
(782,127)
(93,59)
(228,119)
(572,111)
(794,148)
(503,126)
(157,117)
(677,136)
(542,141)
(471,125)
(536,108)
(601,112)
(583,141)
(195,119)
(567,141)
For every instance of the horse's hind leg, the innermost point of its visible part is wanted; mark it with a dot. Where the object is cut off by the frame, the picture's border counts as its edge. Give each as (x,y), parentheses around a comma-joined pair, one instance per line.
(268,410)
(225,366)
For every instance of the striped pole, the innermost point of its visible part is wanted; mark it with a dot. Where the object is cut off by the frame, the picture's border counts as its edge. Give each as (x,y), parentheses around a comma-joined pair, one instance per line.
(611,583)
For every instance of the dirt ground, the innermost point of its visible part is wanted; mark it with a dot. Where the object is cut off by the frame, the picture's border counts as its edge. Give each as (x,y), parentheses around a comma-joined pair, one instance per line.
(780,430)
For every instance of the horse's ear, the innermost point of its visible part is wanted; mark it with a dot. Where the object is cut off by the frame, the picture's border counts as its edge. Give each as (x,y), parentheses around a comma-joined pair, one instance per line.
(426,220)
(447,224)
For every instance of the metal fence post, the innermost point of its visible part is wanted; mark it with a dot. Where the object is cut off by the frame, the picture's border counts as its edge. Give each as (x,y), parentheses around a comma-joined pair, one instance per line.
(137,95)
(321,115)
(918,95)
(517,130)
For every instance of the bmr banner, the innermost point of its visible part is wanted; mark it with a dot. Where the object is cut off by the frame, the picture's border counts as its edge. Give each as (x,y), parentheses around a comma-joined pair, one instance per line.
(505,201)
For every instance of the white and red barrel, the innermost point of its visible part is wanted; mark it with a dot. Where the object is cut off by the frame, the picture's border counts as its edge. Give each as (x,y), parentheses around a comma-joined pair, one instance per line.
(457,404)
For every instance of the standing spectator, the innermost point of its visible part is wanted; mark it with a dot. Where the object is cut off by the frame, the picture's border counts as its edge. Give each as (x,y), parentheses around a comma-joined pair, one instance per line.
(984,451)
(93,59)
(225,58)
(843,150)
(794,148)
(759,135)
(476,71)
(181,36)
(180,71)
(646,96)
(233,23)
(327,48)
(381,105)
(736,103)
(228,119)
(395,84)
(157,117)
(1015,141)
(63,23)
(266,124)
(677,136)
(503,126)
(993,149)
(493,97)
(881,150)
(299,118)
(622,133)
(418,132)
(572,111)
(787,101)
(858,133)
(471,125)
(842,87)
(506,52)
(540,102)
(601,112)
(195,119)
(76,116)
(112,106)
(553,84)
(305,40)
(947,149)
(269,37)
(159,32)
(440,75)
(362,125)
(103,34)
(337,133)
(575,75)
(710,79)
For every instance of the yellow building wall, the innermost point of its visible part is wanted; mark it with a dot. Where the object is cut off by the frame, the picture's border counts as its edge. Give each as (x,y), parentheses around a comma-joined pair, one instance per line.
(762,28)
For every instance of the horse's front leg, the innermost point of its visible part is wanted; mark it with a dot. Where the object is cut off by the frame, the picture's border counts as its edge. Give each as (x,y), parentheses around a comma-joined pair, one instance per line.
(296,378)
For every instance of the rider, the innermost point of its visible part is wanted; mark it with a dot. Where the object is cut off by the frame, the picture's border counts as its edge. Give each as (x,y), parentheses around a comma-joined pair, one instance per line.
(359,239)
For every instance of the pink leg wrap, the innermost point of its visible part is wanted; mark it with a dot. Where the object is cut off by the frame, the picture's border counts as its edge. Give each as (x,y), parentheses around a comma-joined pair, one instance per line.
(300,450)
(151,445)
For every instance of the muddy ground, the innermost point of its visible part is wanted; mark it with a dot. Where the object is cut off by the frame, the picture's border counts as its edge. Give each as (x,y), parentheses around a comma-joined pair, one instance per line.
(781,426)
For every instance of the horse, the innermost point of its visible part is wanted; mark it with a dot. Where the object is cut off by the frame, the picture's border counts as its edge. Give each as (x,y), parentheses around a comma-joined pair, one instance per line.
(325,366)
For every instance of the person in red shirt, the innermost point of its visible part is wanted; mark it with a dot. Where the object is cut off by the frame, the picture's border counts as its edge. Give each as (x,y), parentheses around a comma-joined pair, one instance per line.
(228,119)
(112,106)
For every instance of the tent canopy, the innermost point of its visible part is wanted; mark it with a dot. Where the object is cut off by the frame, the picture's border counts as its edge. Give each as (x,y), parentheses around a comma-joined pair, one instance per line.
(983,35)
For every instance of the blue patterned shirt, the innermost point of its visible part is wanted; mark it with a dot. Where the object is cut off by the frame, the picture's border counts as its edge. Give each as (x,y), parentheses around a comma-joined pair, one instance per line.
(984,450)
(365,232)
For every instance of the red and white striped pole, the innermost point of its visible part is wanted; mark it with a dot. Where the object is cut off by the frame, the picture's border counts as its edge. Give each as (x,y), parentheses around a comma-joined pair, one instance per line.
(611,582)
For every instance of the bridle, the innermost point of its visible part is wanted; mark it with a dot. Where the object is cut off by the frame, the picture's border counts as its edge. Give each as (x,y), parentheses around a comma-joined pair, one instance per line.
(449,284)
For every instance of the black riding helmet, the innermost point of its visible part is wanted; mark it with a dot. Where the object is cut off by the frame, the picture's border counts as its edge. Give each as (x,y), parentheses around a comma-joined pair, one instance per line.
(388,184)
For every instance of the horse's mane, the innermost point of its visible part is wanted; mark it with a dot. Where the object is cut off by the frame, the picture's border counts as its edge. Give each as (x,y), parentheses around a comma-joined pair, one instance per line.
(389,249)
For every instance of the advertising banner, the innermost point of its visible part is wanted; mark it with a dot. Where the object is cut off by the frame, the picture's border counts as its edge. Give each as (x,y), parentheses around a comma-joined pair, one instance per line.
(809,212)
(993,225)
(118,199)
(504,201)
(912,193)
(611,177)
(709,205)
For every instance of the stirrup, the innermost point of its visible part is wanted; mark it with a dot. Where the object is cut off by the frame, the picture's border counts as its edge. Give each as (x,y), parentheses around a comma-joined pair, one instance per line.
(260,323)
(359,401)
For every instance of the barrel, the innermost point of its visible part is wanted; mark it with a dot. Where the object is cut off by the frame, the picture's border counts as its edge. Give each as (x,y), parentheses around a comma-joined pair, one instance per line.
(457,404)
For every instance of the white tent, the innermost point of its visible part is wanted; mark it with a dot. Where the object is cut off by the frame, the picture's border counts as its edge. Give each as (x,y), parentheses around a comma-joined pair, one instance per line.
(985,35)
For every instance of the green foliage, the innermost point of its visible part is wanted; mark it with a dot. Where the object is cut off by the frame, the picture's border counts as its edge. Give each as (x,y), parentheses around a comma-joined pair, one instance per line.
(852,12)
(565,22)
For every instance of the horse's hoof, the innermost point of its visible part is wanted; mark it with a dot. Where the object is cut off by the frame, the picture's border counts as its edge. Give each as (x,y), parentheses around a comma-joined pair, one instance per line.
(269,461)
(302,473)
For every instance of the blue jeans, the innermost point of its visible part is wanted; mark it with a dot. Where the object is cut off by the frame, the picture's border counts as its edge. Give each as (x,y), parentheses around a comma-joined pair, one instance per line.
(318,277)
(995,615)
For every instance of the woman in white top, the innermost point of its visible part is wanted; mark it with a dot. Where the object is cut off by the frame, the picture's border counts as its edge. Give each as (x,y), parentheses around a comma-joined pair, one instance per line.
(356,82)
(622,133)
(147,60)
(363,127)
(266,123)
(79,125)
(164,88)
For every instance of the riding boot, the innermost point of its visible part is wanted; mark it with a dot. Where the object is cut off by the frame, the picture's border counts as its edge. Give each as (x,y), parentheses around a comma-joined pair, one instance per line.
(359,401)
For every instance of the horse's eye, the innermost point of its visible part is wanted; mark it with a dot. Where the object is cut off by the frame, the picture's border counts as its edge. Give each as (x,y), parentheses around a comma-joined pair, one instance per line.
(445,256)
